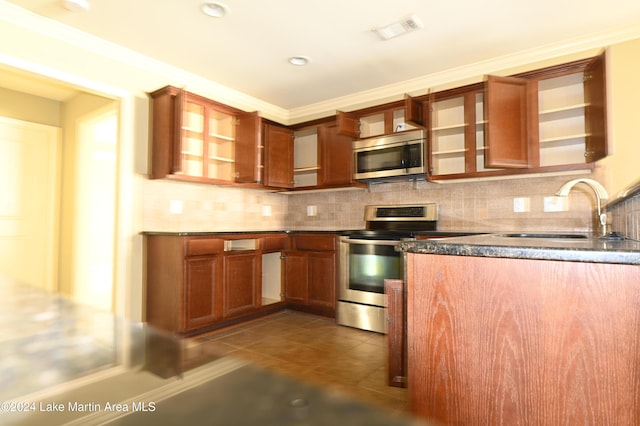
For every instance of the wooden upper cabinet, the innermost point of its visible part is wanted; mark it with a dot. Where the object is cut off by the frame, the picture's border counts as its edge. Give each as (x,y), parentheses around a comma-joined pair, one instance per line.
(507,114)
(166,125)
(336,156)
(595,110)
(248,148)
(348,124)
(197,139)
(383,119)
(414,111)
(278,165)
(455,147)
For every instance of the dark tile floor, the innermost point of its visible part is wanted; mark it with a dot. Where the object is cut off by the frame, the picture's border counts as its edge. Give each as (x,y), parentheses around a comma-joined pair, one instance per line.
(313,349)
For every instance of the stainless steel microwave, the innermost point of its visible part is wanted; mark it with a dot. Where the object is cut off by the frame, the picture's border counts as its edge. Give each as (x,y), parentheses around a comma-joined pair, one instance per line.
(400,154)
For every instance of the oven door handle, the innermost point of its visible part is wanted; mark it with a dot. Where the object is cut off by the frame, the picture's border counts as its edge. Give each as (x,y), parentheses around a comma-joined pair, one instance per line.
(372,242)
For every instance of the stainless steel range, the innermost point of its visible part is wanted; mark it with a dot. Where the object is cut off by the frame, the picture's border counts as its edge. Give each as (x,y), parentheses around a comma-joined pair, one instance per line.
(368,257)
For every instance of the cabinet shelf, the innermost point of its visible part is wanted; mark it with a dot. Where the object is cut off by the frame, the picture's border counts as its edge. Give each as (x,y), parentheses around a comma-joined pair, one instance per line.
(450,127)
(222,159)
(569,139)
(562,113)
(223,137)
(450,152)
(309,169)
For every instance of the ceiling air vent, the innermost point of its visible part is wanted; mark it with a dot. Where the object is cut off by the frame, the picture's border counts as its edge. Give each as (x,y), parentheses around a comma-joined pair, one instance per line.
(403,26)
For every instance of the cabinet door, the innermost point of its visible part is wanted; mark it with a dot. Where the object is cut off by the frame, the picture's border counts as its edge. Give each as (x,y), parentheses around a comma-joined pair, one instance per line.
(278,167)
(348,124)
(321,278)
(414,111)
(336,156)
(507,113)
(595,110)
(241,283)
(166,131)
(201,292)
(295,277)
(248,143)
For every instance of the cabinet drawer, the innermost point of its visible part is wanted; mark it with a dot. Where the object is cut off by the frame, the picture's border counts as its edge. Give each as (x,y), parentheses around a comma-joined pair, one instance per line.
(274,243)
(315,242)
(201,246)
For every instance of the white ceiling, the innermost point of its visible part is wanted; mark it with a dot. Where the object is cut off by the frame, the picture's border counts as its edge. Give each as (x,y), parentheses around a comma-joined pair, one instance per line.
(248,49)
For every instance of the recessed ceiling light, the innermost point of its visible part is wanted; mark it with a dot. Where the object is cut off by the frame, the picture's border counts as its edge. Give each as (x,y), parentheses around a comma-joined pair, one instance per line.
(299,60)
(76,5)
(215,8)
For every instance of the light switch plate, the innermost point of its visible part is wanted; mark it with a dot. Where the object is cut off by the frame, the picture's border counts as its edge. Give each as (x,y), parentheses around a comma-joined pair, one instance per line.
(312,210)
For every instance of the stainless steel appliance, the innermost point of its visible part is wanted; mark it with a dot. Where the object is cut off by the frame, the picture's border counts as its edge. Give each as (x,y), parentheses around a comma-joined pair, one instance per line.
(367,257)
(400,154)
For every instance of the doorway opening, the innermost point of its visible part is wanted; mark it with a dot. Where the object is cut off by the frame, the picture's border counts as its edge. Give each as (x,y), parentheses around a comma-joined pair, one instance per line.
(57,241)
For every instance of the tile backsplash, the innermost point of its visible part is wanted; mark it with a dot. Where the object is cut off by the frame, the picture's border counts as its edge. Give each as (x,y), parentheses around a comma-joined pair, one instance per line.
(485,205)
(482,205)
(626,217)
(180,207)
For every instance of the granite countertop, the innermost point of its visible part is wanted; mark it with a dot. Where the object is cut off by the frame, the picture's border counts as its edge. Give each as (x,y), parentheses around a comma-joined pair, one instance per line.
(232,233)
(587,248)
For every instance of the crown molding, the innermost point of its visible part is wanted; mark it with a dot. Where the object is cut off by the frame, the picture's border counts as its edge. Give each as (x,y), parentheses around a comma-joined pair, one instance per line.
(475,71)
(128,58)
(69,36)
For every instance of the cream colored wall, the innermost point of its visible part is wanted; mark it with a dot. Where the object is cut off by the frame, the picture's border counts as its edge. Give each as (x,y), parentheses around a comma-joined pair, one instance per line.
(35,109)
(622,167)
(72,111)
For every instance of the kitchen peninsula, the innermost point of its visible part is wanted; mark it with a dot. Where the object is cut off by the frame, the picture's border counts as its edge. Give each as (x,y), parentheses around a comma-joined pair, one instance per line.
(524,329)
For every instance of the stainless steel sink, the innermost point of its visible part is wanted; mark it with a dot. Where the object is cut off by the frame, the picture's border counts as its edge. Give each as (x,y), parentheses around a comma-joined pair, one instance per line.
(542,235)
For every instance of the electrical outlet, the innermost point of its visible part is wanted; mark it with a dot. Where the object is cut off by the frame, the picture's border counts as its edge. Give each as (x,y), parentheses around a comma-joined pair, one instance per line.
(312,210)
(556,204)
(175,206)
(266,210)
(521,204)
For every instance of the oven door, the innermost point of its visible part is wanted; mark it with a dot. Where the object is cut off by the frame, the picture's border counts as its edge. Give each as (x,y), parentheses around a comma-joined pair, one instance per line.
(364,265)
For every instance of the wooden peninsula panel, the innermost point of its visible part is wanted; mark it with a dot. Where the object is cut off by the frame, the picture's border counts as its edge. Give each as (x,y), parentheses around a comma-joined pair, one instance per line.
(523,342)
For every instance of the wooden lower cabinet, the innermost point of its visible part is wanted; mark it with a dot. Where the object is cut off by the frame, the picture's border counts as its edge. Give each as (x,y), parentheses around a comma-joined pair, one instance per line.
(241,283)
(194,285)
(517,341)
(184,282)
(310,273)
(296,277)
(202,289)
(321,290)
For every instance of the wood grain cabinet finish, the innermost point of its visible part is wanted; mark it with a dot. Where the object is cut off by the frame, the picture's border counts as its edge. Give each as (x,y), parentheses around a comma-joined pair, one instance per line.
(278,166)
(336,157)
(310,273)
(184,282)
(516,341)
(194,285)
(323,158)
(241,283)
(546,120)
(198,139)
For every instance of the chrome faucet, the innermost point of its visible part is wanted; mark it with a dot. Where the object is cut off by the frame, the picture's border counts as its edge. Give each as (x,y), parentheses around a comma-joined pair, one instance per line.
(598,189)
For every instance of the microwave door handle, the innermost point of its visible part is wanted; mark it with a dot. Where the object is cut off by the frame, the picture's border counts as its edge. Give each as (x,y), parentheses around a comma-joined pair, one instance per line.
(406,157)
